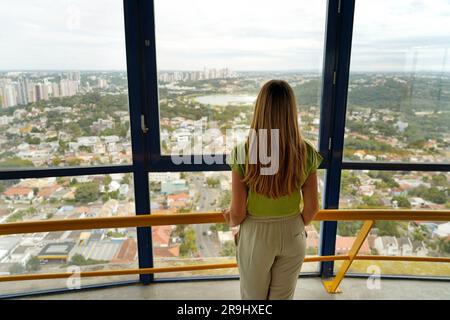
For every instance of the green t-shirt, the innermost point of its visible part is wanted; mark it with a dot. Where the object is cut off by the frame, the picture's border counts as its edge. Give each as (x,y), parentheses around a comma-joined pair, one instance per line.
(260,205)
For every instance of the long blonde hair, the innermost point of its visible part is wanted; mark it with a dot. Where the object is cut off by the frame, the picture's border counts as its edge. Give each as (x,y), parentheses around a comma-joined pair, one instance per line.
(276,108)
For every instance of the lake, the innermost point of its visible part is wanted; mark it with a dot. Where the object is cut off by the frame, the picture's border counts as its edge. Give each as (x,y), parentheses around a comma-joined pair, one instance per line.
(226,99)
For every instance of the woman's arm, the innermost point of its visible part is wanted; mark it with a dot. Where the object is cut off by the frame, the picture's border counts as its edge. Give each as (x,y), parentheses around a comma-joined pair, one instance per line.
(310,198)
(238,209)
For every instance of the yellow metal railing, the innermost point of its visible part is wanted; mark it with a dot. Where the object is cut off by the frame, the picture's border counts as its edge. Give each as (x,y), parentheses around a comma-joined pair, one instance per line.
(369,216)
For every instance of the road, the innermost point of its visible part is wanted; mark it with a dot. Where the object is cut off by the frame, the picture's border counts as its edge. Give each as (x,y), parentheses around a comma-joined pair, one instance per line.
(208,246)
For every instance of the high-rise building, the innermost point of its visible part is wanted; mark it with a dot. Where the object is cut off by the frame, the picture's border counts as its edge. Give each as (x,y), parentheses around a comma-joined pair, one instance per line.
(22,91)
(38,91)
(55,90)
(8,94)
(31,92)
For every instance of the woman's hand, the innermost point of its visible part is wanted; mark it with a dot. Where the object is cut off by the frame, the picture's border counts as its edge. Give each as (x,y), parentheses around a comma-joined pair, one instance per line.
(311,199)
(226,215)
(231,221)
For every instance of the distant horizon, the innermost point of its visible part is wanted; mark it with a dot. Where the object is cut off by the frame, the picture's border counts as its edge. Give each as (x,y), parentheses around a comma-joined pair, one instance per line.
(240,71)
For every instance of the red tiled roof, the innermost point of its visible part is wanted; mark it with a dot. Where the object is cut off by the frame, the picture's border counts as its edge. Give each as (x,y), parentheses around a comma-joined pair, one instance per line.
(161,235)
(17,191)
(343,245)
(178,204)
(178,197)
(127,252)
(48,191)
(167,252)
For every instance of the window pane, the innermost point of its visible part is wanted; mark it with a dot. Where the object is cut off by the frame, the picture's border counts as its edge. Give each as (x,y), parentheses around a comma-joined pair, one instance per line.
(173,193)
(63,91)
(66,197)
(213,57)
(399,90)
(313,229)
(391,190)
(61,198)
(71,252)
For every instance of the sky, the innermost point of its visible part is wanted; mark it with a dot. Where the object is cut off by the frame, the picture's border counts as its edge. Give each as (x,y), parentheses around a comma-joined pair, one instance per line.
(244,35)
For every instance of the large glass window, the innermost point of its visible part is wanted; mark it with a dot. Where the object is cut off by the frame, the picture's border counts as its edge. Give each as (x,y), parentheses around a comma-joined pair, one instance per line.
(64,103)
(213,57)
(175,245)
(77,197)
(396,190)
(399,88)
(63,84)
(67,252)
(173,193)
(66,197)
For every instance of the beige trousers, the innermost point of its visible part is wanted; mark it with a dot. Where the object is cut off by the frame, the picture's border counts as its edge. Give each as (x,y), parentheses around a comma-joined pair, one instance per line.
(270,254)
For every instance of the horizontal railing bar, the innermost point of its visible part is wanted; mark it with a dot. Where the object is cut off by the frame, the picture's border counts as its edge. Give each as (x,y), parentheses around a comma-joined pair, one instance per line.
(37,276)
(403,258)
(103,273)
(395,166)
(108,222)
(28,173)
(200,218)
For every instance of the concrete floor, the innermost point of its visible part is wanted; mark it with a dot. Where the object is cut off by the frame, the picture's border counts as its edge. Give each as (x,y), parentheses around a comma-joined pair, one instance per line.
(307,288)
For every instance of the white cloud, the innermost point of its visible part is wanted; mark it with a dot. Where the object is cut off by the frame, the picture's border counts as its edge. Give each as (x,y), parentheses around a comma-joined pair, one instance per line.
(240,34)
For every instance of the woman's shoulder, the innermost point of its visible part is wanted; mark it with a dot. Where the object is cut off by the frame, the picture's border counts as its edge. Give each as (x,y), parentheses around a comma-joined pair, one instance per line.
(309,145)
(314,158)
(238,157)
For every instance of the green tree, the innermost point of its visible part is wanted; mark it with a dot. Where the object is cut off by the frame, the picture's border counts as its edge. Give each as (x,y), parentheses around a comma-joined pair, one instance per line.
(388,228)
(372,201)
(418,234)
(188,246)
(16,162)
(80,260)
(433,194)
(106,181)
(439,180)
(126,179)
(444,246)
(228,249)
(87,192)
(33,264)
(56,161)
(212,182)
(219,227)
(32,140)
(348,228)
(225,199)
(114,194)
(63,146)
(402,202)
(73,161)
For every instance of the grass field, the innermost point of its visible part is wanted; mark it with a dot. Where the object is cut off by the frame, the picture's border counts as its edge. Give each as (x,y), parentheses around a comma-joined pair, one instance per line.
(400,267)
